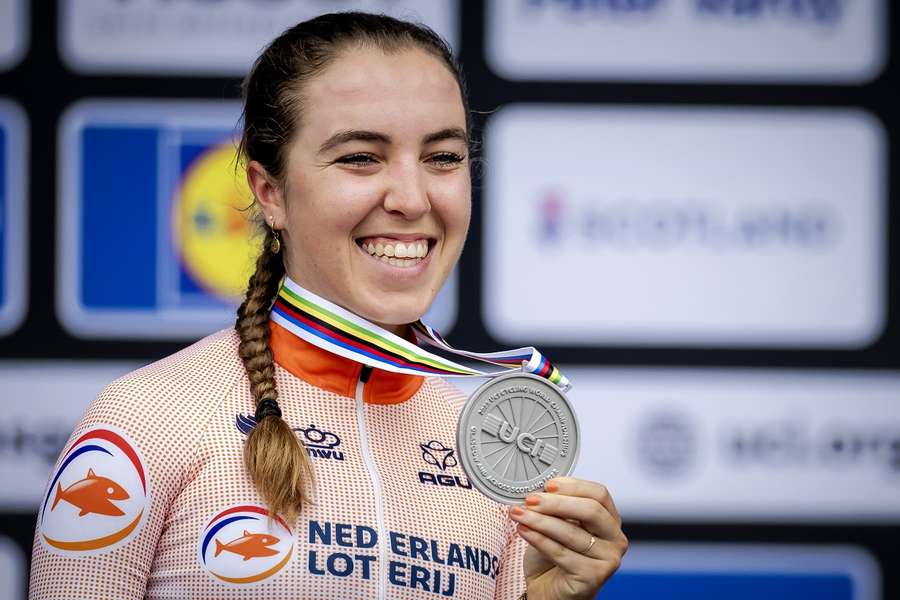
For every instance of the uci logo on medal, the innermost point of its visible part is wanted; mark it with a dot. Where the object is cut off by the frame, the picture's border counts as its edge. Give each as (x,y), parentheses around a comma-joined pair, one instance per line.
(98,495)
(242,545)
(214,239)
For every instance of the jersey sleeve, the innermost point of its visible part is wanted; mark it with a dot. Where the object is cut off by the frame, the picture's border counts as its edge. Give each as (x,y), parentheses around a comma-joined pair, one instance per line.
(105,506)
(511,576)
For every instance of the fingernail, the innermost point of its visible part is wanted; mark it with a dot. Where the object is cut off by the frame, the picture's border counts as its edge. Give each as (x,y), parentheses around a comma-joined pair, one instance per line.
(551,486)
(517,511)
(523,528)
(532,500)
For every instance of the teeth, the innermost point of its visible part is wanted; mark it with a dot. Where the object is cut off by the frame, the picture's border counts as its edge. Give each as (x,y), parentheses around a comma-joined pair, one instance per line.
(406,254)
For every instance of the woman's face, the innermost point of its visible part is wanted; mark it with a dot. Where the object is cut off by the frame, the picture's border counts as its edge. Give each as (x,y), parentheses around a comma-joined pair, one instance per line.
(376,199)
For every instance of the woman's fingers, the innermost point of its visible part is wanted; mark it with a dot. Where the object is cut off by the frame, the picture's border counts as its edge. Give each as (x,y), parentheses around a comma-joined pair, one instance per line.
(589,513)
(570,486)
(566,533)
(590,571)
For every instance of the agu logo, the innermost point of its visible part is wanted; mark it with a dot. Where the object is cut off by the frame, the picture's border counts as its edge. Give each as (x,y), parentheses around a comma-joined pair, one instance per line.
(243,545)
(214,237)
(435,453)
(98,495)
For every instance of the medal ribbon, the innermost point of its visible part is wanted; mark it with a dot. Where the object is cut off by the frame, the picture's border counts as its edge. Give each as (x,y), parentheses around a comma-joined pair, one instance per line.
(339,331)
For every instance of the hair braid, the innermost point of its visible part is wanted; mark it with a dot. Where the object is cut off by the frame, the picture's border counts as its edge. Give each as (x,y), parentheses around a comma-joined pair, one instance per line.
(273,112)
(274,457)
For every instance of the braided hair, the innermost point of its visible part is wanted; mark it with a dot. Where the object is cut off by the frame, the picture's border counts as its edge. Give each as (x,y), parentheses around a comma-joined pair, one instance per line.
(273,110)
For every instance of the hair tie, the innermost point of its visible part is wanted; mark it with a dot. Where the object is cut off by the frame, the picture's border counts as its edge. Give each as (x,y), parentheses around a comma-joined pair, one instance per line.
(267,408)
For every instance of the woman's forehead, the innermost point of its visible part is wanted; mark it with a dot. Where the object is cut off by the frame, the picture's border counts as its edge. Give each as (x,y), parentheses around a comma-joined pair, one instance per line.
(366,88)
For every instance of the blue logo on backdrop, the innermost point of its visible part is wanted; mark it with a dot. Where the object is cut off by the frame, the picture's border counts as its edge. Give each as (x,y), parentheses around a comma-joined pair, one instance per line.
(612,7)
(152,226)
(681,571)
(824,12)
(12,216)
(635,224)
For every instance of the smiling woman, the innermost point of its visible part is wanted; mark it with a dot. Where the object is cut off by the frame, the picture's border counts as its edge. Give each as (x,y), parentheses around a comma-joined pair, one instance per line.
(379,156)
(356,143)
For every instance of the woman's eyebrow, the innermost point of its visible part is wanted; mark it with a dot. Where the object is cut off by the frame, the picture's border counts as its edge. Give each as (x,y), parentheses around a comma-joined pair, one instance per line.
(361,135)
(350,135)
(449,133)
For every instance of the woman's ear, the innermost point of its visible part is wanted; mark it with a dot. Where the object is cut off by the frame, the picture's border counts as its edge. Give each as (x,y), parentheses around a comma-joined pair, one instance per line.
(268,194)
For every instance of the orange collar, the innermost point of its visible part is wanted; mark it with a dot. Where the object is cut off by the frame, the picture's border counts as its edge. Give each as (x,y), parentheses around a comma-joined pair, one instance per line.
(335,373)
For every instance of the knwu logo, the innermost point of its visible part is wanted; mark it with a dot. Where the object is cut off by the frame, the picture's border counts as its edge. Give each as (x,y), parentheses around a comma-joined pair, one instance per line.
(318,442)
(437,454)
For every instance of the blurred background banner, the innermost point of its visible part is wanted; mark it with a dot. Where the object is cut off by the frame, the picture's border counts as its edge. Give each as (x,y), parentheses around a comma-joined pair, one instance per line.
(13,218)
(34,431)
(690,205)
(838,41)
(746,572)
(156,238)
(13,32)
(750,445)
(748,227)
(204,36)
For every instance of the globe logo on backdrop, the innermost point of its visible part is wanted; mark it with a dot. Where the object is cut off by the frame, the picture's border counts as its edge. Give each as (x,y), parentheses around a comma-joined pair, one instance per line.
(666,444)
(215,241)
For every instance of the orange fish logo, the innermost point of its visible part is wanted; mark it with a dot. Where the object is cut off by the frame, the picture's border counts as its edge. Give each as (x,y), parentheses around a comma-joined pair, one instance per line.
(253,534)
(92,495)
(104,508)
(249,545)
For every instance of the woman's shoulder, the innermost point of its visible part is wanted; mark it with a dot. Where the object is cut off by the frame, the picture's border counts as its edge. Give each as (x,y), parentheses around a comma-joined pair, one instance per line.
(188,380)
(451,394)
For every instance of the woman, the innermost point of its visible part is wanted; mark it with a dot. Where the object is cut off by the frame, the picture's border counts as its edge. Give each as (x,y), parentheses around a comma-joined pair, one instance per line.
(357,136)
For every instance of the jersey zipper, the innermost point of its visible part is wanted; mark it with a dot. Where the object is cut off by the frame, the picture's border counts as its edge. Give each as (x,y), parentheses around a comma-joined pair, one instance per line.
(377,488)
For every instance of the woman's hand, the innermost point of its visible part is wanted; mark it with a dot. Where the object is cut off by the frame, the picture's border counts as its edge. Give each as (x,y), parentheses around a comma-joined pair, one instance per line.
(575,539)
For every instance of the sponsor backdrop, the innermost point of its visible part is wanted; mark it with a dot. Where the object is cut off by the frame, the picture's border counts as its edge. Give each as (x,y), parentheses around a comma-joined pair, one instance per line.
(688,204)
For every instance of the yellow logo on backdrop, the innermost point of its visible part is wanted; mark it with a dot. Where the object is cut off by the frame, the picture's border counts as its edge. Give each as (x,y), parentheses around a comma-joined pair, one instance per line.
(215,238)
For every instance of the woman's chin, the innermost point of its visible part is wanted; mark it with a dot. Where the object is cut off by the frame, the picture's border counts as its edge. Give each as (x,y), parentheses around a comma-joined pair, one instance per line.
(398,315)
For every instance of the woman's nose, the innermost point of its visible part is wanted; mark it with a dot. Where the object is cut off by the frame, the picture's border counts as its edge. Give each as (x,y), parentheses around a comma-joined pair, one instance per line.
(407,195)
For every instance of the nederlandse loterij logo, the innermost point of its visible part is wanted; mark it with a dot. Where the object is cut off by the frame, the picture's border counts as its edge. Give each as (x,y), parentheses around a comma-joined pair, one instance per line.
(244,545)
(98,495)
(443,457)
(319,443)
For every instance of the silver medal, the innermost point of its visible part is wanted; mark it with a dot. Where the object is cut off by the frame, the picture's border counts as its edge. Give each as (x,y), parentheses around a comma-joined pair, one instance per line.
(515,432)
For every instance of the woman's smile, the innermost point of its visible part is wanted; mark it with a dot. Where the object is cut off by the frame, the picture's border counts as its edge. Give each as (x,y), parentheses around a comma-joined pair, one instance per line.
(403,253)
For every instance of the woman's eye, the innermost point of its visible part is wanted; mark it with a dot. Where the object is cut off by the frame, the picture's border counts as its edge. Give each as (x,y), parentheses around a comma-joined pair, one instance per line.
(357,160)
(447,159)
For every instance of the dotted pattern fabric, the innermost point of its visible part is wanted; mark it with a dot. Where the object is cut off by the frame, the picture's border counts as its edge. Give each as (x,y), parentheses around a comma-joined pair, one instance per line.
(441,537)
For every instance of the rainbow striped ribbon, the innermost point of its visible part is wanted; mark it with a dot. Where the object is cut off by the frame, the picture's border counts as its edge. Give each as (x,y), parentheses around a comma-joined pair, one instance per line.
(337,330)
